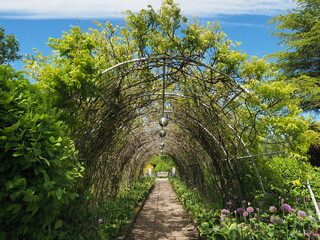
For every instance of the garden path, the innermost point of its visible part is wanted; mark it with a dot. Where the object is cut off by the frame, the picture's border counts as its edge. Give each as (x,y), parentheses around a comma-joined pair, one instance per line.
(163,217)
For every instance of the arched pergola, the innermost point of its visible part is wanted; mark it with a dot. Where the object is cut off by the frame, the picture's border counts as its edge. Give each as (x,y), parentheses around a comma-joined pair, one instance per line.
(212,135)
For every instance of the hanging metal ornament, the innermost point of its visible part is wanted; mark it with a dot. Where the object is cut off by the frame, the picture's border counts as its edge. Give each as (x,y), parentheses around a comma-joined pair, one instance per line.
(162,144)
(162,133)
(163,122)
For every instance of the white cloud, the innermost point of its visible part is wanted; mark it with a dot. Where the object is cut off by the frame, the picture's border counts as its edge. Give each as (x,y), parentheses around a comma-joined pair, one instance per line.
(112,8)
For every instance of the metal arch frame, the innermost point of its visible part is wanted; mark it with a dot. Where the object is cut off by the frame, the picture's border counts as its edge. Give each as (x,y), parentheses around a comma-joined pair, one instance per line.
(231,80)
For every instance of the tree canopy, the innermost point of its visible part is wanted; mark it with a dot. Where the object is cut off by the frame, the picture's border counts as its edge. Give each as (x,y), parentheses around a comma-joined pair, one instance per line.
(9,47)
(299,32)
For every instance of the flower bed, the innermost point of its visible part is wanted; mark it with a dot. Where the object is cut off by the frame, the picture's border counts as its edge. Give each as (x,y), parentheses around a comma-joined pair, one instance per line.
(290,219)
(107,219)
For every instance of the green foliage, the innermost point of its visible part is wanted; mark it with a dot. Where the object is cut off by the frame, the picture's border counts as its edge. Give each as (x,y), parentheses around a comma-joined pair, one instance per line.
(105,220)
(299,31)
(9,47)
(38,161)
(161,163)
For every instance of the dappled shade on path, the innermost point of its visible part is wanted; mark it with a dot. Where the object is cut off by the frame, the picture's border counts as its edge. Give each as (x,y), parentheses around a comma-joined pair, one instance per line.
(163,217)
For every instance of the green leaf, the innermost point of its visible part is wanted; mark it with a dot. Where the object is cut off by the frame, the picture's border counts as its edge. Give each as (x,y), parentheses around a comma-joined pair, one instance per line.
(234,235)
(219,236)
(58,224)
(59,193)
(52,139)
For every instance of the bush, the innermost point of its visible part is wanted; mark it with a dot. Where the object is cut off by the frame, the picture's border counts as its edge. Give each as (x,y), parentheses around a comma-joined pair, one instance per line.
(38,162)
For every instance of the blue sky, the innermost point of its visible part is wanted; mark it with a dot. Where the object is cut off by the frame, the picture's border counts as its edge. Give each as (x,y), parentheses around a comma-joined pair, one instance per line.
(34,21)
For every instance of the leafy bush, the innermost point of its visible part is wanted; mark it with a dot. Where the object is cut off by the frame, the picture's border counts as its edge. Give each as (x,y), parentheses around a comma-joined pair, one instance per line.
(38,162)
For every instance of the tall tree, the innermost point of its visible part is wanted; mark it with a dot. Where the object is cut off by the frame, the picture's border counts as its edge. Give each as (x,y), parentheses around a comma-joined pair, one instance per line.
(299,32)
(9,47)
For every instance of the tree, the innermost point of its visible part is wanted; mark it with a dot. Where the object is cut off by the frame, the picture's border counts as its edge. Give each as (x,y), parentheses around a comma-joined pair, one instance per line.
(9,47)
(299,32)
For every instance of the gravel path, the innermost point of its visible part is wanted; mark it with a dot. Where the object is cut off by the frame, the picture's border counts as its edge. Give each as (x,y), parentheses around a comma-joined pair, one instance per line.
(163,217)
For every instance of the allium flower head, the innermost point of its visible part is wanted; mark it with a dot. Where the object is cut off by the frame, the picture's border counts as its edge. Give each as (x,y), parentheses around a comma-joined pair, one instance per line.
(301,213)
(250,209)
(285,207)
(229,203)
(240,210)
(245,214)
(273,219)
(100,220)
(225,211)
(272,209)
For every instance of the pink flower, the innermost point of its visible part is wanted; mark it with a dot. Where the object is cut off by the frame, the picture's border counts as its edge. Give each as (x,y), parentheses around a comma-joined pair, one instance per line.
(100,220)
(272,209)
(225,211)
(245,214)
(273,219)
(229,203)
(250,209)
(240,210)
(301,213)
(286,207)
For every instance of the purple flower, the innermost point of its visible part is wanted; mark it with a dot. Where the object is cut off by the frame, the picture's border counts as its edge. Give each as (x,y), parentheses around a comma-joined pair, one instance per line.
(240,210)
(276,220)
(282,200)
(272,209)
(250,209)
(100,220)
(229,203)
(292,210)
(245,214)
(298,199)
(243,201)
(194,189)
(273,219)
(235,196)
(301,213)
(225,211)
(285,207)
(279,220)
(257,209)
(306,199)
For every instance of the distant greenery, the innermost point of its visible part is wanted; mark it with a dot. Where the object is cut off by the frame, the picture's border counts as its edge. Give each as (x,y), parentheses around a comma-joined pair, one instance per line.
(161,163)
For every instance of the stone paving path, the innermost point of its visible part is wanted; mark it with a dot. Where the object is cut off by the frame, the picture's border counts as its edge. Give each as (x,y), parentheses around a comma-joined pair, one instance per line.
(163,217)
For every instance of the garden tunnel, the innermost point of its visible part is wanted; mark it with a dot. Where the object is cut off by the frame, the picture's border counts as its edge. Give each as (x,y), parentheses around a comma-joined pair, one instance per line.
(213,134)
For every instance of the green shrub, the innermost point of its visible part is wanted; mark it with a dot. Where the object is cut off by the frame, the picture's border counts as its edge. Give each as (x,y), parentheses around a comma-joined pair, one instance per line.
(38,162)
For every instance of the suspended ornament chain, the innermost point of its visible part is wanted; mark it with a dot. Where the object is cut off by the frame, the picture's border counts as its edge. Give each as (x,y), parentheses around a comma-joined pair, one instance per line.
(163,122)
